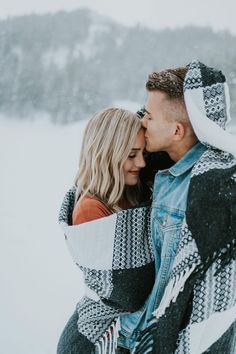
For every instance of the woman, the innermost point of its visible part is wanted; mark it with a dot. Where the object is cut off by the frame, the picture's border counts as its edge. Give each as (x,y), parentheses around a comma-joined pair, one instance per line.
(110,163)
(114,253)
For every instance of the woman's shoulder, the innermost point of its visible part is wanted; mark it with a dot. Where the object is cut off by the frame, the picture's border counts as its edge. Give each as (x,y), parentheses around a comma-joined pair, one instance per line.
(89,208)
(90,202)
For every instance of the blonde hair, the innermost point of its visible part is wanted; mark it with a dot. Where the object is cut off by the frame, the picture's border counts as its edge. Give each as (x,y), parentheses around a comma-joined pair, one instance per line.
(108,139)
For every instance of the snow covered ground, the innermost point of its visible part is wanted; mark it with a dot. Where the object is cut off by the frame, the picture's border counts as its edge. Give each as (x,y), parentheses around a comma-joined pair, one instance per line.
(40,285)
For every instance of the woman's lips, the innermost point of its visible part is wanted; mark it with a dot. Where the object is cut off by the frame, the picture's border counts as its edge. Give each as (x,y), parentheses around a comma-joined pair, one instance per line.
(135,173)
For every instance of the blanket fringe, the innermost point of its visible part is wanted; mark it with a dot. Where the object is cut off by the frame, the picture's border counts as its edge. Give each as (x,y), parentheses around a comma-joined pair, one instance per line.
(175,286)
(107,344)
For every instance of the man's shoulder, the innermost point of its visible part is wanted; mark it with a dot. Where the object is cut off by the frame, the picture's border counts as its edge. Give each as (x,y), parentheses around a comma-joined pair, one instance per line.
(211,201)
(213,178)
(215,163)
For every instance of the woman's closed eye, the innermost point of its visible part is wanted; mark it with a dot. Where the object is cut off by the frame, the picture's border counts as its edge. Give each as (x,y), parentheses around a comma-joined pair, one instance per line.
(132,156)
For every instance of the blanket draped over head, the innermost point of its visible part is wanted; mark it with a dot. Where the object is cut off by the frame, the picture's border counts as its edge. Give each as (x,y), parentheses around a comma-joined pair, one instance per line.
(116,257)
(197,313)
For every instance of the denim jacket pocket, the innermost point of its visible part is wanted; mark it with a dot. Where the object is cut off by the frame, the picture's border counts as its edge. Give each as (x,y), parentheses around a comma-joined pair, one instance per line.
(168,218)
(168,222)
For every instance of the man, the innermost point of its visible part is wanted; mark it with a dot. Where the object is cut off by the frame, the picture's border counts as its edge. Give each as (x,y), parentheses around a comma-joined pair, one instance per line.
(186,115)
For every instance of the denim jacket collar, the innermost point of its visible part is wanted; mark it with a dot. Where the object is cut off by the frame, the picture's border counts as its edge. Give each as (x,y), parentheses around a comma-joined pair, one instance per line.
(188,160)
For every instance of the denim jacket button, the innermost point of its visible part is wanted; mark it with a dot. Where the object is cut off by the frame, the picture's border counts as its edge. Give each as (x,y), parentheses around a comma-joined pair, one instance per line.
(165,220)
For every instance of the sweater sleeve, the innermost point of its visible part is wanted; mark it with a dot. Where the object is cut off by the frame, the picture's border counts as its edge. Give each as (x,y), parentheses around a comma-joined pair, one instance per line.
(89,209)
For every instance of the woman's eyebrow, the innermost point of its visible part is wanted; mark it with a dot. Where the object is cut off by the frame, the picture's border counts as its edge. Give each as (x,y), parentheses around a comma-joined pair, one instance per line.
(136,149)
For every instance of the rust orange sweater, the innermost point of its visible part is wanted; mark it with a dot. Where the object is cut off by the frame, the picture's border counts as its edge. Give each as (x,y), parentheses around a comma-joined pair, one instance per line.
(89,208)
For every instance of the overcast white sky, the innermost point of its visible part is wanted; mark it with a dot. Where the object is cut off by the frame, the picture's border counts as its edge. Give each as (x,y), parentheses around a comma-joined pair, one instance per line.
(219,14)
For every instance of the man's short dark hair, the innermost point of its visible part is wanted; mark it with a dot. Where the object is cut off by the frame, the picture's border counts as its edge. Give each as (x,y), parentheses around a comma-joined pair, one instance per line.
(170,81)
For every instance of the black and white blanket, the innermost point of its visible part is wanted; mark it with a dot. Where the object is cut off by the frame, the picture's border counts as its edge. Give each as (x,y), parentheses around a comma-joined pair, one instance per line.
(116,257)
(197,313)
(198,310)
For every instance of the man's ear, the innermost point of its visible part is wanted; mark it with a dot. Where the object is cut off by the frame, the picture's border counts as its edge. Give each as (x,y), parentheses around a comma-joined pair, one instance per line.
(179,131)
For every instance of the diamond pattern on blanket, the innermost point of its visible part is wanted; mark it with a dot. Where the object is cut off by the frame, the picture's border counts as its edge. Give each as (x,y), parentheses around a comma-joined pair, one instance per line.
(199,303)
(184,342)
(225,287)
(213,159)
(220,287)
(187,253)
(193,79)
(94,318)
(65,215)
(128,251)
(215,104)
(98,280)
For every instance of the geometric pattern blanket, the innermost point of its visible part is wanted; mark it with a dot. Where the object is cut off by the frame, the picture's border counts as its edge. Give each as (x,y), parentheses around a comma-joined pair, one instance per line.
(116,257)
(197,313)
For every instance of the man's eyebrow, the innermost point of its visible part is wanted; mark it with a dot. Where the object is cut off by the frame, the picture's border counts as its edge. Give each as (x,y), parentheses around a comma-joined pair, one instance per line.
(136,149)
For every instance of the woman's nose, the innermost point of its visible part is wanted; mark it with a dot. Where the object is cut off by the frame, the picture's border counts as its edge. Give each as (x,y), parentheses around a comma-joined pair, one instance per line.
(141,162)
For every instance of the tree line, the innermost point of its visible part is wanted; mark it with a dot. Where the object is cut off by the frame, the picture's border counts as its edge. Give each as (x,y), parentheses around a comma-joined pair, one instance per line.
(71,64)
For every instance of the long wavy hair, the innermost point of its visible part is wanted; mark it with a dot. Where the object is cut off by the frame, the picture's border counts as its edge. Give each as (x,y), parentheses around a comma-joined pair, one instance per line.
(107,142)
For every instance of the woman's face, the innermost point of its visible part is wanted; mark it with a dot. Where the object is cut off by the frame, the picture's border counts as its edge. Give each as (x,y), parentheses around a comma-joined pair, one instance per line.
(135,161)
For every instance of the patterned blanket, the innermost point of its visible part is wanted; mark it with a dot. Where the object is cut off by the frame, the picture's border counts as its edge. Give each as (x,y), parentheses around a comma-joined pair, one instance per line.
(198,310)
(197,313)
(116,257)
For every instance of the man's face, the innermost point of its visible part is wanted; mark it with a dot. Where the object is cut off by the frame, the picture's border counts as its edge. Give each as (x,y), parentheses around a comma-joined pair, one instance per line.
(159,129)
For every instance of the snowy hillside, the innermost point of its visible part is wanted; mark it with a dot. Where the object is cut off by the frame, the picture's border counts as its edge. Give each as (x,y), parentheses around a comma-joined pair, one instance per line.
(40,285)
(70,64)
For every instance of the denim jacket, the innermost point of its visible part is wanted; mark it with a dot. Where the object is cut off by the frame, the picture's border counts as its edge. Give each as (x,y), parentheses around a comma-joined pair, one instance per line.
(168,211)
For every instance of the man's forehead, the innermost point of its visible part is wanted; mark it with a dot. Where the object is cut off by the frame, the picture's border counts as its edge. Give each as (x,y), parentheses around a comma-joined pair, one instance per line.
(156,98)
(157,95)
(146,109)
